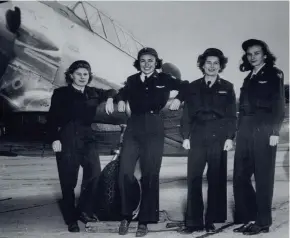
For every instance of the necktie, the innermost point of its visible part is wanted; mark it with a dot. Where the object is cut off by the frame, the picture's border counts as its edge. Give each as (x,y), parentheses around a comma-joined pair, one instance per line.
(208,83)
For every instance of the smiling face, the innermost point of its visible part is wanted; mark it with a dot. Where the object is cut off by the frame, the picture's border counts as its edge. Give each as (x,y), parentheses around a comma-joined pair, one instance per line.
(256,56)
(147,63)
(211,66)
(80,77)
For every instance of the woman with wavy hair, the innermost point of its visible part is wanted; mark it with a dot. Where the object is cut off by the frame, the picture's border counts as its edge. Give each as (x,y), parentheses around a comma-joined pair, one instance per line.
(208,127)
(147,92)
(261,112)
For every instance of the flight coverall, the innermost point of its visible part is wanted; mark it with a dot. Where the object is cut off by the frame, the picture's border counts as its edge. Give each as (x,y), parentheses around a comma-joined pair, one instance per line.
(144,140)
(209,119)
(261,112)
(69,120)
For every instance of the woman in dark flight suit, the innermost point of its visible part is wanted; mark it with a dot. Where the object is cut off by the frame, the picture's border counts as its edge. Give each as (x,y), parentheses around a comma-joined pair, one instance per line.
(208,127)
(70,116)
(261,112)
(147,93)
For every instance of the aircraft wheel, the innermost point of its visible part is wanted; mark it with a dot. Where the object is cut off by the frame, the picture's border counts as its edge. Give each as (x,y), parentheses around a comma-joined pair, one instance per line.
(108,195)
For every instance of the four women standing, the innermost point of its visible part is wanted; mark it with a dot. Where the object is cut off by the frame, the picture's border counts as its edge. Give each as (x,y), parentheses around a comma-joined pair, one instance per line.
(208,128)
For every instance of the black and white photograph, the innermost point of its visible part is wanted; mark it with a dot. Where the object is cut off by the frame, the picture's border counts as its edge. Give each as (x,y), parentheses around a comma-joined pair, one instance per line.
(144,119)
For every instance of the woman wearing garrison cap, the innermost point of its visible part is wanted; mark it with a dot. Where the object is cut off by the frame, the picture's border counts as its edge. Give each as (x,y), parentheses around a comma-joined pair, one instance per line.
(261,112)
(208,127)
(147,93)
(70,116)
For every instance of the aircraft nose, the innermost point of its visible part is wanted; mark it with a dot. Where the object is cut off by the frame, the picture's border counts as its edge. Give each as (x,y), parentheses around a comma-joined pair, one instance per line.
(26,35)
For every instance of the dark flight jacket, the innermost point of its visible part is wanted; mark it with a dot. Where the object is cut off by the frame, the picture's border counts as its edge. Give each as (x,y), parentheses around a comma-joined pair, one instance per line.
(68,104)
(203,104)
(263,96)
(150,95)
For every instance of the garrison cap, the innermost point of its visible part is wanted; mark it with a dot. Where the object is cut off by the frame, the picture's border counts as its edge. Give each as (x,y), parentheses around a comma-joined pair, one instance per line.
(248,43)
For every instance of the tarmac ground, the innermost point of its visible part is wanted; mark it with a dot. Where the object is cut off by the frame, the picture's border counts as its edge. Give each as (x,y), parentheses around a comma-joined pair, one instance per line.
(30,191)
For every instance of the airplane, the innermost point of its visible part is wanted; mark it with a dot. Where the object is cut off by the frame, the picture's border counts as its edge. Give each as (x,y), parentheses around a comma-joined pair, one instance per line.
(38,42)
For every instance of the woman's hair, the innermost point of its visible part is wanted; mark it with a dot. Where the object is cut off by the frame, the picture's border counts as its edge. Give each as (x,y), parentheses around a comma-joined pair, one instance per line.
(270,58)
(148,51)
(212,52)
(76,65)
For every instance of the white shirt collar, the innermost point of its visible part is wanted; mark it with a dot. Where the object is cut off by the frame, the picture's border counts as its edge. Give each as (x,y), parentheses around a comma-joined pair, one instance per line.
(78,88)
(255,73)
(142,76)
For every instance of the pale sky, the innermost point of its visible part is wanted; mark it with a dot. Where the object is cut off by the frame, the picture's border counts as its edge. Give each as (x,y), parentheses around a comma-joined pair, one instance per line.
(180,31)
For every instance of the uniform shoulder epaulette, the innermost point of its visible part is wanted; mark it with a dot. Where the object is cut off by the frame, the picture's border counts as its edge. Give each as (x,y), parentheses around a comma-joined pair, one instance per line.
(226,82)
(195,81)
(60,89)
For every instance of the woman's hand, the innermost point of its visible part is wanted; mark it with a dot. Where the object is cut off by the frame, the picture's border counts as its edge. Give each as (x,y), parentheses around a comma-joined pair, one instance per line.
(121,106)
(274,140)
(228,145)
(56,146)
(109,106)
(186,144)
(175,104)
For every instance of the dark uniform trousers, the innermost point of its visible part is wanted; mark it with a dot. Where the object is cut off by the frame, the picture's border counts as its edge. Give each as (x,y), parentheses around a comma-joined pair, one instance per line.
(254,155)
(78,149)
(143,140)
(261,112)
(206,146)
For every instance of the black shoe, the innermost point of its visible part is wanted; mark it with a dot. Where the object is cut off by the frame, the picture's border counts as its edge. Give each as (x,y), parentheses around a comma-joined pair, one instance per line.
(254,229)
(73,227)
(209,227)
(242,228)
(190,229)
(85,218)
(95,217)
(124,227)
(142,230)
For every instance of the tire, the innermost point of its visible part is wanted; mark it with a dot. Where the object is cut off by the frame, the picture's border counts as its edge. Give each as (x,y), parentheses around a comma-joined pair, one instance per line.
(108,204)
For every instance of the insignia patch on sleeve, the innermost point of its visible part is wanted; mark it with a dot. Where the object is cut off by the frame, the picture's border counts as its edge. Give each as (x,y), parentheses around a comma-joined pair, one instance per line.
(280,75)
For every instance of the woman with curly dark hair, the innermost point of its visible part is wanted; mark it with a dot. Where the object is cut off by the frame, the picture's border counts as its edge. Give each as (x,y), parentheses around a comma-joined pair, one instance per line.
(261,112)
(70,116)
(208,128)
(147,92)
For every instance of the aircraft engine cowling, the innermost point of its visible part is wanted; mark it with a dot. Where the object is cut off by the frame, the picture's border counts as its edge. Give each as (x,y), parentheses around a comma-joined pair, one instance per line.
(171,69)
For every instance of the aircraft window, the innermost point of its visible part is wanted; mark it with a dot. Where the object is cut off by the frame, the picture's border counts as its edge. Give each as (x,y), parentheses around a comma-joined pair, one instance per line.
(94,19)
(132,45)
(110,30)
(122,39)
(139,46)
(80,12)
(69,4)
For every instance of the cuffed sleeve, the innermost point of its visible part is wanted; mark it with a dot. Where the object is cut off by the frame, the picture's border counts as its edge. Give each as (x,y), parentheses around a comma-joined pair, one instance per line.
(182,91)
(185,123)
(231,114)
(123,93)
(53,118)
(105,94)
